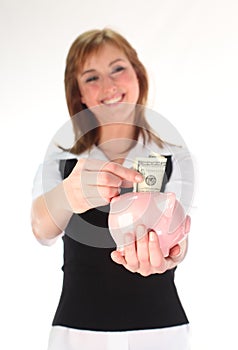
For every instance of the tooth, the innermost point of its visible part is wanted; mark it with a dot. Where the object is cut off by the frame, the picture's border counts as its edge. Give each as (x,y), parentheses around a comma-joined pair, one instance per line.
(113,100)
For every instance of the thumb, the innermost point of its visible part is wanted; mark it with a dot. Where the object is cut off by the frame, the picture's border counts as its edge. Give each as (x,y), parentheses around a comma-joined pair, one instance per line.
(175,250)
(127,184)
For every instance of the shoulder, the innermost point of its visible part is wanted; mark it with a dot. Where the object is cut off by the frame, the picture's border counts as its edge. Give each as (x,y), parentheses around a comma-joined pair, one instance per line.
(169,149)
(48,174)
(56,154)
(162,128)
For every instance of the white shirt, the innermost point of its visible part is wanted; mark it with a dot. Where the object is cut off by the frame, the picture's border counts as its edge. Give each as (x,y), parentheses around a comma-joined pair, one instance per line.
(181,182)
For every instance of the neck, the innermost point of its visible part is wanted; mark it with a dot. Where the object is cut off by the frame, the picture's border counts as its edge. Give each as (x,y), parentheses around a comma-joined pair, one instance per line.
(116,131)
(116,140)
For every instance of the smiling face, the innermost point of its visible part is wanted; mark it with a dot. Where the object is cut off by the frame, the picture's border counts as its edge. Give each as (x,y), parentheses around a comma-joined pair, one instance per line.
(107,79)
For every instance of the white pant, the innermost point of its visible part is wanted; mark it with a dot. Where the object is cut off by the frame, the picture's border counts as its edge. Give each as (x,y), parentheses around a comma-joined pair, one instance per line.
(172,338)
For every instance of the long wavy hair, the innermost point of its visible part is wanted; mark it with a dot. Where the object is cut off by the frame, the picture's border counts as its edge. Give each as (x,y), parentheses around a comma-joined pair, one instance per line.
(85,125)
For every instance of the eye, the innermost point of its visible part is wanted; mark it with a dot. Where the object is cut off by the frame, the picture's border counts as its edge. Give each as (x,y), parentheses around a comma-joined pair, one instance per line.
(91,79)
(118,69)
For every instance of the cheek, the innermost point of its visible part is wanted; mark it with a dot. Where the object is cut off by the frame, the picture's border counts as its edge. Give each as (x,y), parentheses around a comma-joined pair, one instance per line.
(89,93)
(129,78)
(132,81)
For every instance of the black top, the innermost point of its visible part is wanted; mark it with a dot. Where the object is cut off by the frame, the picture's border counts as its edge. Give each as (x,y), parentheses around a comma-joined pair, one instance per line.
(99,294)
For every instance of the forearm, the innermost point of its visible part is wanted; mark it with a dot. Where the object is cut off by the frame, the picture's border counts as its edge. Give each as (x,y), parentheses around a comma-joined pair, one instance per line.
(50,214)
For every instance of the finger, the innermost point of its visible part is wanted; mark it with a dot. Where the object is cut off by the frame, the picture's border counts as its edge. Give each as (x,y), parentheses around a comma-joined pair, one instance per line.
(178,256)
(124,173)
(95,202)
(108,192)
(100,178)
(103,192)
(111,167)
(108,179)
(130,252)
(126,184)
(142,249)
(90,164)
(174,251)
(155,253)
(118,258)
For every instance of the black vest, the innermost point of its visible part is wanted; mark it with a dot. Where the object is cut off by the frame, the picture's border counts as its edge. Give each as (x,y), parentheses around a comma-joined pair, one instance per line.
(100,295)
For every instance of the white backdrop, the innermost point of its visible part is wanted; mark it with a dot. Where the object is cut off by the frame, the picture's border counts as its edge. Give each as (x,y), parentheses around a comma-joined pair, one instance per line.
(190,49)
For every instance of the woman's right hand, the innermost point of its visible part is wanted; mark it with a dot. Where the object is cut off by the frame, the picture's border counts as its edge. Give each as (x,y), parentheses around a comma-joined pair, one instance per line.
(93,183)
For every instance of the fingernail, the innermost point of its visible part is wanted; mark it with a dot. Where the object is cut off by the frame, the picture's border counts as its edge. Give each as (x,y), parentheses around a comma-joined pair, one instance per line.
(139,178)
(121,251)
(152,236)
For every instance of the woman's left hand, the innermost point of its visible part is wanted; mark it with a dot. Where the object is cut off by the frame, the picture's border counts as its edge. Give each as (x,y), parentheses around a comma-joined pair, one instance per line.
(144,256)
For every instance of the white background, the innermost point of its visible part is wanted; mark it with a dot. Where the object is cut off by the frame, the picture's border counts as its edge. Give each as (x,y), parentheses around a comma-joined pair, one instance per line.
(190,49)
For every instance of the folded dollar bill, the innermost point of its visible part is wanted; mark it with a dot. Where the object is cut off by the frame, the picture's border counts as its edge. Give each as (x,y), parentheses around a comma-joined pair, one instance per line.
(152,168)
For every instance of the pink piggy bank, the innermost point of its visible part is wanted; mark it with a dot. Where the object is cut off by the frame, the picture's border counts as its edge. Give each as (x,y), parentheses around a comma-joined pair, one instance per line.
(158,211)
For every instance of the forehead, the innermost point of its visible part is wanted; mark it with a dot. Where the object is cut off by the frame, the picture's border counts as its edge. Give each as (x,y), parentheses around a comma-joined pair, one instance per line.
(102,55)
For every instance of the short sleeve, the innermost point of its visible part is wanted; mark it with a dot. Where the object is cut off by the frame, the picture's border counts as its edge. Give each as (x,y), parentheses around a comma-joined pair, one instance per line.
(182,178)
(47,177)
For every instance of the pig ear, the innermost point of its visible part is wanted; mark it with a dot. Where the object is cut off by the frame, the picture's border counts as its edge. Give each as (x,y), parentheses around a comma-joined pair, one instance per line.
(170,203)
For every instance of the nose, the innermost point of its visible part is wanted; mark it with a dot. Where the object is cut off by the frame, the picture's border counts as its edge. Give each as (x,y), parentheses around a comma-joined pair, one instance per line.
(108,85)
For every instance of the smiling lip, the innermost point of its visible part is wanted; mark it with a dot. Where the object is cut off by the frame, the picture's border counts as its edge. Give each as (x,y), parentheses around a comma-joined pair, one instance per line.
(113,100)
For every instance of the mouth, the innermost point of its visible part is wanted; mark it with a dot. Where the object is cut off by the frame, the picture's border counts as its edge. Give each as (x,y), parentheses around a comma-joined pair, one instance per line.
(114,100)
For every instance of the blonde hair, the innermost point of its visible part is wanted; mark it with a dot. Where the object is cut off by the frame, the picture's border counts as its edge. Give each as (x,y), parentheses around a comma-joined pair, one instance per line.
(86,127)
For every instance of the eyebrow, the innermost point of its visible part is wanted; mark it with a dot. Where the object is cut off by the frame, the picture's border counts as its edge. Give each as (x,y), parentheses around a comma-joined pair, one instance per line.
(110,64)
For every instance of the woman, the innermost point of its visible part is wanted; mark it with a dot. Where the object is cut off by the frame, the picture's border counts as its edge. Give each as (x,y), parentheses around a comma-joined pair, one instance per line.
(110,299)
